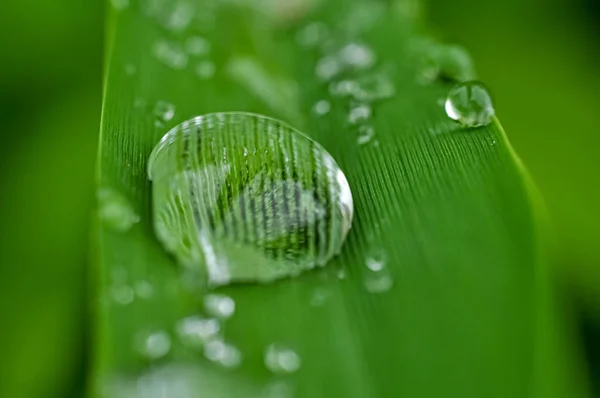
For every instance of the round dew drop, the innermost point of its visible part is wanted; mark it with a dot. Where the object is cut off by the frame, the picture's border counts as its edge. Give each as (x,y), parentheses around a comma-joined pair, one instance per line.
(470,104)
(239,197)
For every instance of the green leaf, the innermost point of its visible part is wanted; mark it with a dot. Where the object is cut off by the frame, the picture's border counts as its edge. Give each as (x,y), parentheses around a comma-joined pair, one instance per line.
(449,210)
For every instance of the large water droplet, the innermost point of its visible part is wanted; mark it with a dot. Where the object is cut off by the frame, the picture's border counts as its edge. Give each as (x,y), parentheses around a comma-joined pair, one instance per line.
(281,359)
(470,104)
(242,197)
(115,210)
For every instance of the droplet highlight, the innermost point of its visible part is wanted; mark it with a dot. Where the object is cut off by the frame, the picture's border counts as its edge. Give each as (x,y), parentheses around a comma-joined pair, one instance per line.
(219,305)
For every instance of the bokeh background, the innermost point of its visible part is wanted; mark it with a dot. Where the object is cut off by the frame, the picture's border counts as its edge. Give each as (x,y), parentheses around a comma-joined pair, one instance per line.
(540,57)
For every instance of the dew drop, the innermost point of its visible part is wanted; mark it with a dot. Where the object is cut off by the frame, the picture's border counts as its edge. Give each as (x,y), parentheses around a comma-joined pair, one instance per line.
(365,134)
(205,69)
(223,353)
(120,5)
(327,68)
(164,111)
(155,344)
(470,104)
(312,35)
(344,88)
(197,46)
(115,211)
(122,294)
(358,56)
(281,359)
(378,283)
(144,289)
(196,331)
(375,263)
(322,107)
(374,87)
(219,305)
(359,114)
(242,197)
(171,54)
(179,17)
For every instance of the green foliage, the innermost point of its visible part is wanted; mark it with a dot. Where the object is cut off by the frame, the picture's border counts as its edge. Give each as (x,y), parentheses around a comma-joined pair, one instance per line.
(450,211)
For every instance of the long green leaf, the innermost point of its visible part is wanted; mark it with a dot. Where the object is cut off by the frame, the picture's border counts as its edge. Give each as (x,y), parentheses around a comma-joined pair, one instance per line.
(447,208)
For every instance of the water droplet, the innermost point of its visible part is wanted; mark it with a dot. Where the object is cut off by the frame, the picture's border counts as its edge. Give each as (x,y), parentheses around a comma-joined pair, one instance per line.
(243,197)
(195,331)
(219,305)
(205,69)
(119,5)
(322,107)
(164,111)
(122,294)
(318,297)
(278,389)
(281,359)
(358,56)
(378,282)
(365,134)
(130,69)
(179,17)
(375,263)
(373,87)
(144,289)
(197,46)
(327,68)
(171,54)
(445,62)
(115,211)
(341,274)
(470,104)
(344,88)
(223,353)
(312,35)
(155,344)
(359,114)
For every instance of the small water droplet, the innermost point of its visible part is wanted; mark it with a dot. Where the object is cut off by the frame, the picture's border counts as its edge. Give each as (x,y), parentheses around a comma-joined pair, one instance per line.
(358,56)
(359,114)
(164,111)
(115,211)
(130,69)
(379,282)
(119,5)
(281,359)
(241,210)
(154,345)
(444,62)
(312,35)
(470,104)
(322,107)
(318,297)
(223,353)
(179,17)
(171,54)
(205,69)
(144,289)
(196,331)
(344,88)
(122,294)
(376,263)
(341,274)
(365,134)
(197,46)
(327,68)
(373,87)
(219,305)
(278,389)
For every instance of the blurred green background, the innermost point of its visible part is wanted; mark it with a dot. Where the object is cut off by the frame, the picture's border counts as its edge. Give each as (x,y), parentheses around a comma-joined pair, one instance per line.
(540,57)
